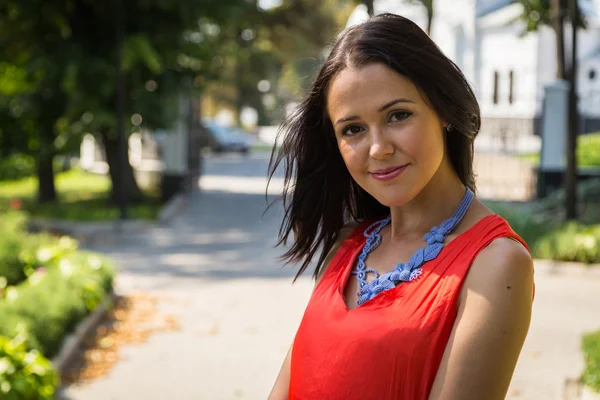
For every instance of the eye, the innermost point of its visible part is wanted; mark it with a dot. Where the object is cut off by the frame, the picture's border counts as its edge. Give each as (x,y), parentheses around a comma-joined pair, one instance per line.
(352,130)
(399,116)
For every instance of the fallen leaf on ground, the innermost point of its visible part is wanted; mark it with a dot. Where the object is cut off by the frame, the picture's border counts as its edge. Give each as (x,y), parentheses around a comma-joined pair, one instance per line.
(132,320)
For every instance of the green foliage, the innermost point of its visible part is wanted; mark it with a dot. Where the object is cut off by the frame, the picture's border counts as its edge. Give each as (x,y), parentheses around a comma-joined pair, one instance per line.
(52,300)
(588,150)
(591,355)
(46,284)
(542,225)
(538,12)
(553,239)
(22,253)
(570,242)
(552,207)
(530,226)
(25,374)
(16,166)
(12,267)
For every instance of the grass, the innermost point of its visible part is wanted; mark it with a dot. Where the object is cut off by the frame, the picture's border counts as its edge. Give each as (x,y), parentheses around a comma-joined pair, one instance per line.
(588,152)
(591,353)
(82,196)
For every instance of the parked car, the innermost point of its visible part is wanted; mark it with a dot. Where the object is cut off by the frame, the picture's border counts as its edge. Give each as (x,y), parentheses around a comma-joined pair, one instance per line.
(222,139)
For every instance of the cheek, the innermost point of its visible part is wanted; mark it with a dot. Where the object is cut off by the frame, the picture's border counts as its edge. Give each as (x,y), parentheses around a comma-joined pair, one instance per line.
(349,155)
(425,145)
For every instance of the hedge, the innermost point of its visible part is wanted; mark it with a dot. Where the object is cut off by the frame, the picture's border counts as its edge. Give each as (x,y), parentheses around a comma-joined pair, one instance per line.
(47,286)
(25,374)
(52,301)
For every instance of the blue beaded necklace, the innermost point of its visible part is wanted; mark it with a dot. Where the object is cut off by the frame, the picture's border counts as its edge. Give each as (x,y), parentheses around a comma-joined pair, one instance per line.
(404,272)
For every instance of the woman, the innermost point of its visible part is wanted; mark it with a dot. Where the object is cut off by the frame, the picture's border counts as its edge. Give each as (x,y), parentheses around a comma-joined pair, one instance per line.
(421,291)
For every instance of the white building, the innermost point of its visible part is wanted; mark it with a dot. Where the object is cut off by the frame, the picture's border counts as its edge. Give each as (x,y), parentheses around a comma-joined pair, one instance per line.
(507,66)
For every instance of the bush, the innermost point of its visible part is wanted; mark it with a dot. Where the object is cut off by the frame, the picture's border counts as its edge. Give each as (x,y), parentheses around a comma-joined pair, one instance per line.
(588,150)
(21,253)
(570,242)
(529,225)
(25,375)
(11,246)
(591,355)
(16,166)
(49,304)
(541,224)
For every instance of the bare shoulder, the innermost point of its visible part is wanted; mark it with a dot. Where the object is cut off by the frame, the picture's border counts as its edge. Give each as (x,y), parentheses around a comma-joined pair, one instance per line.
(493,317)
(504,266)
(344,233)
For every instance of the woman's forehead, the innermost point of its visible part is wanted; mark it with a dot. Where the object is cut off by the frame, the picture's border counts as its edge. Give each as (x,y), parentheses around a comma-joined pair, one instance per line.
(368,86)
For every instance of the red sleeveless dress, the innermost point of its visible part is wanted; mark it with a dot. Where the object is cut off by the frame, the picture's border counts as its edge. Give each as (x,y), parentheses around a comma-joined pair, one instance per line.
(391,346)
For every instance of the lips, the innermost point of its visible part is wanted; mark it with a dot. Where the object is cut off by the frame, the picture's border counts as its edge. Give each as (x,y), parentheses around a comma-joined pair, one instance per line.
(387,174)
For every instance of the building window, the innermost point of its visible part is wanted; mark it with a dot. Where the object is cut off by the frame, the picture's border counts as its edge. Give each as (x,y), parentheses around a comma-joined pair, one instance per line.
(496,80)
(592,74)
(511,87)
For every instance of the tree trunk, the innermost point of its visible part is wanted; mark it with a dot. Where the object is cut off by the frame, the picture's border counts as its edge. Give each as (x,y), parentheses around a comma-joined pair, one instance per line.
(45,174)
(111,151)
(370,7)
(558,18)
(571,172)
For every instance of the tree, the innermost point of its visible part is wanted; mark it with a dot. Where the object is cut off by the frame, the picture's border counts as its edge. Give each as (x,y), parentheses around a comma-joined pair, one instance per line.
(65,49)
(552,13)
(255,45)
(42,103)
(163,54)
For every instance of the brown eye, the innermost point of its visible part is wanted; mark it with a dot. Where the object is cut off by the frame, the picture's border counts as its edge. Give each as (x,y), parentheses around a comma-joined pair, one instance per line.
(399,116)
(352,130)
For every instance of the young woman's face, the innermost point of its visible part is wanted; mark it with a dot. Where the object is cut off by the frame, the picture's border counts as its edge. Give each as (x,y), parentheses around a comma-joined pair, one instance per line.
(391,141)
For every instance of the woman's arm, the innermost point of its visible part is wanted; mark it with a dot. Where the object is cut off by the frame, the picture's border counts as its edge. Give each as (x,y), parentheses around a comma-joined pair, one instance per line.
(493,319)
(282,383)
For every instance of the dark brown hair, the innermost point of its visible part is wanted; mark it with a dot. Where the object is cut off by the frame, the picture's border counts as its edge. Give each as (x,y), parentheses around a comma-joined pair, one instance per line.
(319,195)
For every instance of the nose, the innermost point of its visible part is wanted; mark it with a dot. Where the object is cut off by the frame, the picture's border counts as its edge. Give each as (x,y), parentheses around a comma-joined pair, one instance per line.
(381,146)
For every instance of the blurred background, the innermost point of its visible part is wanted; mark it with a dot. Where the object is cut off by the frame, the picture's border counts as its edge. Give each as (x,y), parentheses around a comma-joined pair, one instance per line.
(136,257)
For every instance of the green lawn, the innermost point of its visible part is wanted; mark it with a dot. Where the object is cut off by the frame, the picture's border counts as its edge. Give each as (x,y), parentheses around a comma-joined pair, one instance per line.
(82,196)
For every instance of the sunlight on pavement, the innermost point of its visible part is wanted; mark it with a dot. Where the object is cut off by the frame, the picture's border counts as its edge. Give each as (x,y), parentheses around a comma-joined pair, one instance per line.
(242,185)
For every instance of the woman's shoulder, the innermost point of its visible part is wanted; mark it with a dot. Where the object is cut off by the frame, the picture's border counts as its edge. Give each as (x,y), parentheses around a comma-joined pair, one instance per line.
(503,266)
(501,255)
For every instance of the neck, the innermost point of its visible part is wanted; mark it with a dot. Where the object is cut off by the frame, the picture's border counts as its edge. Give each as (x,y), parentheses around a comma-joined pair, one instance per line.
(433,205)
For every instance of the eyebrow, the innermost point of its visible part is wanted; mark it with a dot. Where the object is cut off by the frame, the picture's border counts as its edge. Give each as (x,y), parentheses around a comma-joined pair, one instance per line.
(383,108)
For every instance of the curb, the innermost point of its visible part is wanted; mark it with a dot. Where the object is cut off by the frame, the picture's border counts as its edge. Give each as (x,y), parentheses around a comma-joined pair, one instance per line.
(567,268)
(72,342)
(173,207)
(88,233)
(575,390)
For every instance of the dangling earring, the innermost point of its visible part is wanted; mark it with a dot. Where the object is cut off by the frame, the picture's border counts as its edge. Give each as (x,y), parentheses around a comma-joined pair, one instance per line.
(449,127)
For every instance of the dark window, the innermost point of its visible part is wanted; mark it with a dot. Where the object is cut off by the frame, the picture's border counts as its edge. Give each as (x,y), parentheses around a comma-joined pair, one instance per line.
(496,79)
(592,74)
(511,87)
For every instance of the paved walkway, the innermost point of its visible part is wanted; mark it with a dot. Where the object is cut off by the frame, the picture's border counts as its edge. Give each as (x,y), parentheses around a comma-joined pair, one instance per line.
(215,270)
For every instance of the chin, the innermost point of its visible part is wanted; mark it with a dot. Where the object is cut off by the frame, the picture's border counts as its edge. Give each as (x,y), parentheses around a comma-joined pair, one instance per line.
(396,199)
(395,195)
